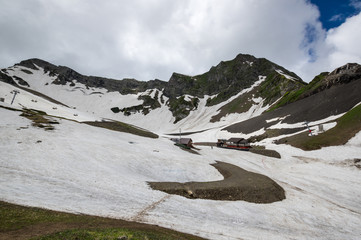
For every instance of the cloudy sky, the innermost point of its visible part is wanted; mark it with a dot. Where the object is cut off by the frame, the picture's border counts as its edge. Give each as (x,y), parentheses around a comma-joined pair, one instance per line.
(148,39)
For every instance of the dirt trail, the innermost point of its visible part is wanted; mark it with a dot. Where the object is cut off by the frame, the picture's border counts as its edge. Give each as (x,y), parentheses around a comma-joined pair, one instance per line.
(138,217)
(238,184)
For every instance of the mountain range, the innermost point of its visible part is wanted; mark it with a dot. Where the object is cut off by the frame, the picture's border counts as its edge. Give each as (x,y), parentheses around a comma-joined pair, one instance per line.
(104,147)
(238,97)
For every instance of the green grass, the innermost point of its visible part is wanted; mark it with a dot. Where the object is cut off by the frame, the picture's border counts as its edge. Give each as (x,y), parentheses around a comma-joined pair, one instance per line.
(123,127)
(294,95)
(107,234)
(36,223)
(347,126)
(40,119)
(14,217)
(240,104)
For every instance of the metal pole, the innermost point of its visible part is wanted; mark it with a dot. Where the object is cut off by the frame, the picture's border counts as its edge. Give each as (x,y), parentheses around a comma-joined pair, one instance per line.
(309,130)
(15,92)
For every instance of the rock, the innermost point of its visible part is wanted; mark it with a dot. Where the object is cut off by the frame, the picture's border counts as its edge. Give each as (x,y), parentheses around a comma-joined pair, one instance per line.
(122,238)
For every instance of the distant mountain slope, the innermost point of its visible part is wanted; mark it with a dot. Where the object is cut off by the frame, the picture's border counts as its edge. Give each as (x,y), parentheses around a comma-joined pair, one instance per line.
(66,75)
(326,98)
(231,95)
(342,75)
(224,80)
(227,79)
(183,101)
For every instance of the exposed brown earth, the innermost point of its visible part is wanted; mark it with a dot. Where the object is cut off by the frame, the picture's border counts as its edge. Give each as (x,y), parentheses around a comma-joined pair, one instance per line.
(238,184)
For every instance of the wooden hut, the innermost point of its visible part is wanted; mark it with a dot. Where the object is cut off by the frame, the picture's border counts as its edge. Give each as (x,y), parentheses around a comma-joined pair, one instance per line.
(187,142)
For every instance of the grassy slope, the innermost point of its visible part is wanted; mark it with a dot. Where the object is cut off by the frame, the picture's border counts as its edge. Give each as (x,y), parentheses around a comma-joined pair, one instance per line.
(240,104)
(18,222)
(347,126)
(293,96)
(123,127)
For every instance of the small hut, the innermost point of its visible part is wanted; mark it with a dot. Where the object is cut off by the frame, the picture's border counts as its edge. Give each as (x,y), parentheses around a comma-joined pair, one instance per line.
(186,142)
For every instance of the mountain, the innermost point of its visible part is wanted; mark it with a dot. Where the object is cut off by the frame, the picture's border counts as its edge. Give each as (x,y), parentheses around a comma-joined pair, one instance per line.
(327,97)
(97,146)
(246,96)
(65,75)
(182,93)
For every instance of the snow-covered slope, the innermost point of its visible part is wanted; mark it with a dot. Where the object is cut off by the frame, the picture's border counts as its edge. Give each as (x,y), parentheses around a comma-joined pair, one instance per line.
(24,99)
(97,102)
(83,169)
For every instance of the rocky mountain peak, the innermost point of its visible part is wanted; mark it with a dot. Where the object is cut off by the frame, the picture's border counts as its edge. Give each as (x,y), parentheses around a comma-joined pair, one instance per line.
(344,74)
(33,62)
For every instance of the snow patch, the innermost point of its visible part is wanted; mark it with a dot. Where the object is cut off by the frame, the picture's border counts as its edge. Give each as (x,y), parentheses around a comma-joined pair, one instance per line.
(286,76)
(280,125)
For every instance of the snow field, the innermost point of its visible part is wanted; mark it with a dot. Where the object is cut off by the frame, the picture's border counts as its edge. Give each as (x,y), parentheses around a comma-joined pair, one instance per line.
(27,100)
(84,169)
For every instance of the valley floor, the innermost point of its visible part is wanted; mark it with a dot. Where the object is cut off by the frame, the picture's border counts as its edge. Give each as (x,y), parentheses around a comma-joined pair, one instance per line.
(84,169)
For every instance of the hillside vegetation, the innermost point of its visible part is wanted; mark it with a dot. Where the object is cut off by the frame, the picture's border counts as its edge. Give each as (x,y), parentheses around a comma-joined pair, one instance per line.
(302,92)
(19,222)
(123,127)
(347,126)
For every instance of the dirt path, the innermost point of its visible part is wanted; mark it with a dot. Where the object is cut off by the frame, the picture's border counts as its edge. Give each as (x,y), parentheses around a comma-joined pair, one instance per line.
(238,184)
(142,213)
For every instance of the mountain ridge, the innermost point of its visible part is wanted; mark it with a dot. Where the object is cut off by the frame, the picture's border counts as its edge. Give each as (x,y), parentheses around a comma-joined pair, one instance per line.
(228,93)
(221,81)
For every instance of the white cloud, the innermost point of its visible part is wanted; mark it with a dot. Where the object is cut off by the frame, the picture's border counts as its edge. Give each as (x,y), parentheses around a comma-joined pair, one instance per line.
(356,4)
(148,39)
(337,17)
(345,42)
(339,46)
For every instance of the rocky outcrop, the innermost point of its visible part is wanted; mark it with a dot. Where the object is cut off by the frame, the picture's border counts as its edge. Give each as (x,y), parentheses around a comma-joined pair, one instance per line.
(7,79)
(343,75)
